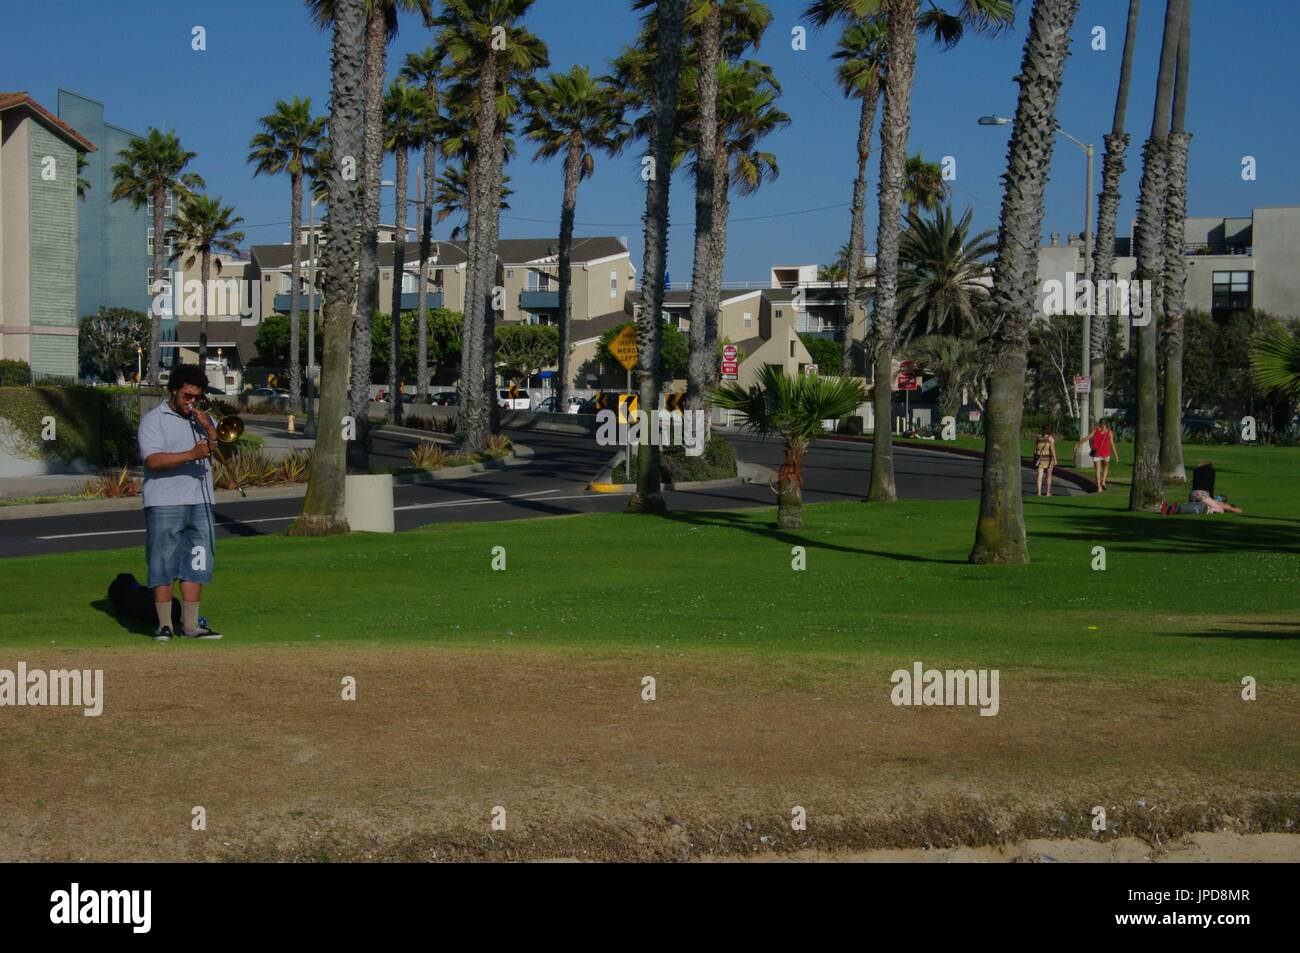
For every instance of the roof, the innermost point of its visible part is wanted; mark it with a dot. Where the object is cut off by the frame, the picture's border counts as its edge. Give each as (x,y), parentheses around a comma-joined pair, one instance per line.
(221,333)
(513,251)
(582,330)
(750,345)
(56,125)
(671,299)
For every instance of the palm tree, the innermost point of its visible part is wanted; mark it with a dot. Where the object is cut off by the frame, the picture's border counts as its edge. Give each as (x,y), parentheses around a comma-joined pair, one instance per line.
(1103,253)
(1275,362)
(861,52)
(424,69)
(838,270)
(151,167)
(451,197)
(83,185)
(954,360)
(201,226)
(322,509)
(671,15)
(923,185)
(491,54)
(942,277)
(902,20)
(1000,531)
(405,123)
(1149,234)
(1171,438)
(793,409)
(573,114)
(287,143)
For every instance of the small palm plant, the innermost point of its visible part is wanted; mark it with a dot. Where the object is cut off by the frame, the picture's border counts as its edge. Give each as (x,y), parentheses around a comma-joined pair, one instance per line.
(792,408)
(1275,362)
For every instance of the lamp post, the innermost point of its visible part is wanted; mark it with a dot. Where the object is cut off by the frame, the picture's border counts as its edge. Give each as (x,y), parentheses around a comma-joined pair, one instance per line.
(1082,456)
(139,364)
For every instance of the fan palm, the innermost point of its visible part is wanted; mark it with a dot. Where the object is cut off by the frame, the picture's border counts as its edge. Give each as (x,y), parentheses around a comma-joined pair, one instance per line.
(1000,530)
(151,167)
(424,69)
(1275,362)
(1148,235)
(201,226)
(903,20)
(406,122)
(491,53)
(942,274)
(861,55)
(572,114)
(954,360)
(451,197)
(1103,254)
(793,409)
(923,185)
(322,510)
(288,142)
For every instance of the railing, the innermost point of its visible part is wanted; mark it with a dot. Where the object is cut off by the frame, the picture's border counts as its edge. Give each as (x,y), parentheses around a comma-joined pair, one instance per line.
(1215,248)
(767,285)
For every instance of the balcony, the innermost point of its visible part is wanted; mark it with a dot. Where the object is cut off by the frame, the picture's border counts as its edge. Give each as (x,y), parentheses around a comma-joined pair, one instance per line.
(539,300)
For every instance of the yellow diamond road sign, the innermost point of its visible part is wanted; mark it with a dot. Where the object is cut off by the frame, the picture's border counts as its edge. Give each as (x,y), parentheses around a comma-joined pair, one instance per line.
(623,347)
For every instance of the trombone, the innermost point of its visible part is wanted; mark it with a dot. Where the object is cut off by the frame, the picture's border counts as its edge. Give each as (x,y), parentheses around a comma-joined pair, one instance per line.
(229,429)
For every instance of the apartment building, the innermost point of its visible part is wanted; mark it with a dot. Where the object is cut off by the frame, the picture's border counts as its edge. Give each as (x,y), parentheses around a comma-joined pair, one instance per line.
(38,236)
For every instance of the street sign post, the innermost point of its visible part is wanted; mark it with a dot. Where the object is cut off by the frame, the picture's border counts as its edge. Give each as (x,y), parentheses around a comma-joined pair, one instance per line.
(730,362)
(1082,383)
(907,382)
(811,369)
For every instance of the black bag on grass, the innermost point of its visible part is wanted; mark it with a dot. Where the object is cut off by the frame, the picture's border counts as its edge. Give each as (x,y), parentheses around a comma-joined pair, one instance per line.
(134,601)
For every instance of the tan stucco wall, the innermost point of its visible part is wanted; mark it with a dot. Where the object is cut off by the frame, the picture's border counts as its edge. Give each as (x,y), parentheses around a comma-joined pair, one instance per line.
(15,253)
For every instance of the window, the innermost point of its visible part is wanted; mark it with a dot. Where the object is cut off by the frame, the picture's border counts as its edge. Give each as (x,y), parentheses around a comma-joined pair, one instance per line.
(613,285)
(538,281)
(167,248)
(285,283)
(749,319)
(168,204)
(778,313)
(792,348)
(410,283)
(1231,290)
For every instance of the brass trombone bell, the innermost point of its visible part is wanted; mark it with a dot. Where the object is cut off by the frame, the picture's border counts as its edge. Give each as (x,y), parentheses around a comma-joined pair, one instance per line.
(229,428)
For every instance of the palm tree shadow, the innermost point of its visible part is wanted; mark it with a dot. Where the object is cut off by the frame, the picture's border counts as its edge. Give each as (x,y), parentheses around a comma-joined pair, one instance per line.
(1222,633)
(727,520)
(1191,533)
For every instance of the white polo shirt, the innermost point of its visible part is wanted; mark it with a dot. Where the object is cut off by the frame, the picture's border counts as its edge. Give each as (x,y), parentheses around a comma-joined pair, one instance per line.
(162,430)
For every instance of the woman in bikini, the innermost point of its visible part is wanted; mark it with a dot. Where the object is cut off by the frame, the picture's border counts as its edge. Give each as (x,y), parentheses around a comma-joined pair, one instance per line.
(1102,444)
(1045,457)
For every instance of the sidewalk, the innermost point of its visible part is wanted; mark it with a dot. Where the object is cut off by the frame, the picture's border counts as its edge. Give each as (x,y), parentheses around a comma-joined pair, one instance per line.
(50,484)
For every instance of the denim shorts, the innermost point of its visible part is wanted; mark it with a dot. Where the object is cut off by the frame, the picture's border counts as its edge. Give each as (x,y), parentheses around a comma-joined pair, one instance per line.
(179,543)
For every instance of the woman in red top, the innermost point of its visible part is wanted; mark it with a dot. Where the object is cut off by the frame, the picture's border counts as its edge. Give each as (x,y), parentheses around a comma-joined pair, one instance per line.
(1102,445)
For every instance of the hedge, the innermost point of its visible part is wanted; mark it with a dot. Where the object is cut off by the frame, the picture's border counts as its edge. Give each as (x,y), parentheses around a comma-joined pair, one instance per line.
(89,424)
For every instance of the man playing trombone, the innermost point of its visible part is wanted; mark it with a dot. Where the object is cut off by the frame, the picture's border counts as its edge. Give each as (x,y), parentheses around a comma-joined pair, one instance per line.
(176,443)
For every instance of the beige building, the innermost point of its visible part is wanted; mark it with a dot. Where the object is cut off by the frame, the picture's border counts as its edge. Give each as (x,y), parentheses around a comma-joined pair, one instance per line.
(38,236)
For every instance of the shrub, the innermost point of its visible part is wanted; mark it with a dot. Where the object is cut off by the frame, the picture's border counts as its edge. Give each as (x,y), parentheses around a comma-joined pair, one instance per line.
(717,462)
(428,455)
(432,424)
(246,466)
(112,485)
(15,373)
(497,446)
(295,467)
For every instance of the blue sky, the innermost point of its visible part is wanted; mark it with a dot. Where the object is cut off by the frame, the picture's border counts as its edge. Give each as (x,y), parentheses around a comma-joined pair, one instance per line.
(136,57)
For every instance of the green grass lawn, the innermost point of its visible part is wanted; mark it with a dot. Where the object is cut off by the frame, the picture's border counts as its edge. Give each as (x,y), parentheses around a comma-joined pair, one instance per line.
(1213,597)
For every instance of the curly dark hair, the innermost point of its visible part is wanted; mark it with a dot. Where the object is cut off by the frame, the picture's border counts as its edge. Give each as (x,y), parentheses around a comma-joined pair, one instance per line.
(190,374)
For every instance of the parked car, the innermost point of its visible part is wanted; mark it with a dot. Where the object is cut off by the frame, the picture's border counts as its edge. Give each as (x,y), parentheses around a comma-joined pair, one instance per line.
(267,392)
(551,405)
(522,402)
(588,406)
(446,398)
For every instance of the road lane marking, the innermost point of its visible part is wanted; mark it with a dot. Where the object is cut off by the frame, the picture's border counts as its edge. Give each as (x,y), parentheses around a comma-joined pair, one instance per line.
(475,501)
(123,532)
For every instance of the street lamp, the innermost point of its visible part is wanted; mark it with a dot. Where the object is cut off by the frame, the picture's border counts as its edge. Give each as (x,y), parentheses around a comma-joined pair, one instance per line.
(139,364)
(1082,456)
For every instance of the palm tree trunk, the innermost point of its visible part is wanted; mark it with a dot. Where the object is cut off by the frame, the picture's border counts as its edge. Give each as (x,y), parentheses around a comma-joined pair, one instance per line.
(295,269)
(471,350)
(155,314)
(399,264)
(422,310)
(572,172)
(205,269)
(713,276)
(701,358)
(668,56)
(901,40)
(1171,438)
(1103,253)
(322,510)
(1000,532)
(493,282)
(1146,486)
(789,488)
(368,262)
(857,238)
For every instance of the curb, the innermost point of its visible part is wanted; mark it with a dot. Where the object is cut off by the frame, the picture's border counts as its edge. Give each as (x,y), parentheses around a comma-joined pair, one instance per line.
(1026,463)
(34,510)
(746,473)
(520,455)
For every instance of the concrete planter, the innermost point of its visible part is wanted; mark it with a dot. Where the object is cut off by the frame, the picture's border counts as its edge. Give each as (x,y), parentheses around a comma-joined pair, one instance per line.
(368,503)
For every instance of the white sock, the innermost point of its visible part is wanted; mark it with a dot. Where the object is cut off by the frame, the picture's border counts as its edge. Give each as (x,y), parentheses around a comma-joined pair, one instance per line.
(190,616)
(164,610)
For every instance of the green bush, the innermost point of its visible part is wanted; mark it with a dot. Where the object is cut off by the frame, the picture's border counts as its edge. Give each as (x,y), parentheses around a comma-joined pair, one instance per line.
(717,462)
(15,373)
(91,425)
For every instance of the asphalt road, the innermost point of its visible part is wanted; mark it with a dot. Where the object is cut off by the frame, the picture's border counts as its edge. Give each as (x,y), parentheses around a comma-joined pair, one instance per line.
(553,484)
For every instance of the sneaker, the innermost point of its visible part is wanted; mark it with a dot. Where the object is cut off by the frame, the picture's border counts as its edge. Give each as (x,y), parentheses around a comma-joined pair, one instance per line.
(202,632)
(163,634)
